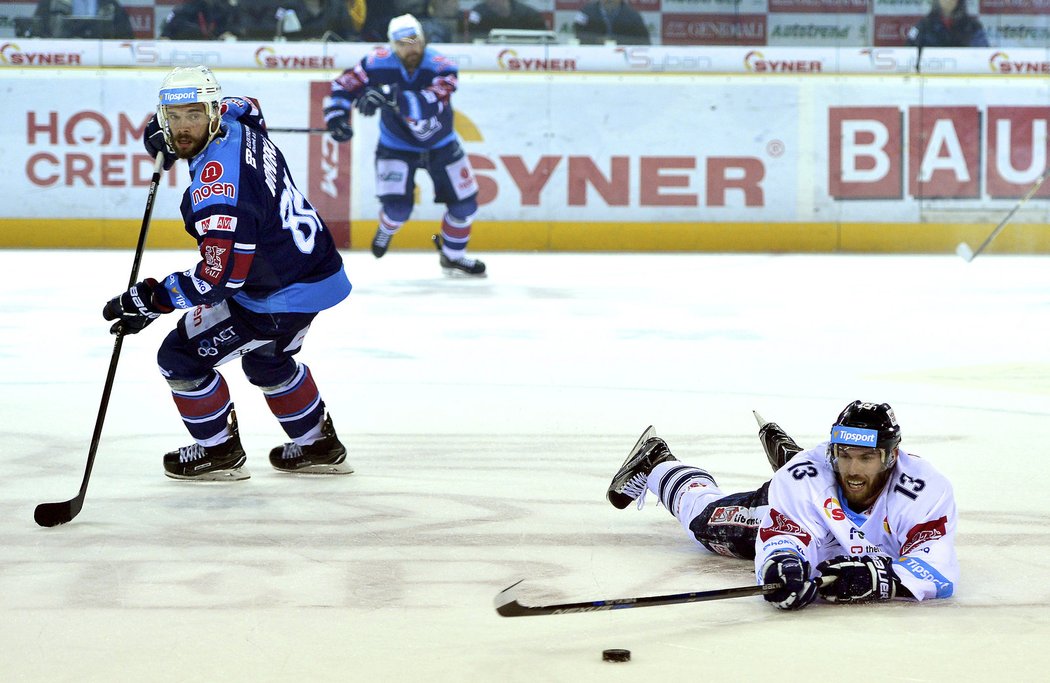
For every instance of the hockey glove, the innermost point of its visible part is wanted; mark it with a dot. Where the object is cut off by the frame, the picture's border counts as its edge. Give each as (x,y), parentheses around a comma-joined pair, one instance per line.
(338,122)
(374,99)
(154,142)
(792,572)
(858,579)
(134,309)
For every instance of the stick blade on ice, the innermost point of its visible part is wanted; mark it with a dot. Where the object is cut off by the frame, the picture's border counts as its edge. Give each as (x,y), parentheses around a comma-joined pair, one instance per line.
(53,514)
(506,601)
(964,251)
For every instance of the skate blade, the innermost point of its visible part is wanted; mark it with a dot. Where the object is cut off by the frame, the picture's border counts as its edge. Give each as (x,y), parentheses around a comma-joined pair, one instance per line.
(457,273)
(337,468)
(234,474)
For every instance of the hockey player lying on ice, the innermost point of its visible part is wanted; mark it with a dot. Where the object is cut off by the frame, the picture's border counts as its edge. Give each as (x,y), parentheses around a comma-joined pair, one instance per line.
(874,521)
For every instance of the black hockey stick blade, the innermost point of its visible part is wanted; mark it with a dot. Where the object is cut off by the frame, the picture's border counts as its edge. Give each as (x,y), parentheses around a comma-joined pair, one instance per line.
(507,604)
(53,514)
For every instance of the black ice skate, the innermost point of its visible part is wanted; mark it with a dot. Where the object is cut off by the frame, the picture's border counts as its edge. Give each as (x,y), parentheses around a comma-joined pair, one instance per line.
(209,463)
(326,456)
(629,482)
(779,447)
(461,266)
(381,242)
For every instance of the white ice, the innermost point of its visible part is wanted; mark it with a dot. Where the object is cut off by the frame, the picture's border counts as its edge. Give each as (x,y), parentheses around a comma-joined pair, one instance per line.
(484,419)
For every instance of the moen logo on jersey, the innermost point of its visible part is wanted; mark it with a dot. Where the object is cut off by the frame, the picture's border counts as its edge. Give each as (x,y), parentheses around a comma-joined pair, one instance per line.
(924,533)
(214,190)
(855,436)
(211,172)
(217,223)
(781,524)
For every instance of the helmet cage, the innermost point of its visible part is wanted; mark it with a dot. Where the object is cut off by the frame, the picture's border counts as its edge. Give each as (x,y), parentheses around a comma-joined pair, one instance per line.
(190,85)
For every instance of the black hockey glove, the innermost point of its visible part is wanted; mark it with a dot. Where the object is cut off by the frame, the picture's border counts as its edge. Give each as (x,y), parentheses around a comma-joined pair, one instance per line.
(792,572)
(338,122)
(373,99)
(154,142)
(858,579)
(133,310)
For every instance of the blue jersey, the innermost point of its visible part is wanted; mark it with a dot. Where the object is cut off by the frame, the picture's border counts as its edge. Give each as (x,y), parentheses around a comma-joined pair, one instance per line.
(261,242)
(424,117)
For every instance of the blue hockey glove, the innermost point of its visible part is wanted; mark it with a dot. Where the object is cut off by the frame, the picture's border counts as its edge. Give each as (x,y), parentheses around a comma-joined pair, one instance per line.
(133,310)
(792,572)
(338,122)
(858,579)
(154,142)
(373,99)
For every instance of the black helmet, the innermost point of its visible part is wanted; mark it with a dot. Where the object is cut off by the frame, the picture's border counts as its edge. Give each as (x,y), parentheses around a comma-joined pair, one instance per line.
(872,425)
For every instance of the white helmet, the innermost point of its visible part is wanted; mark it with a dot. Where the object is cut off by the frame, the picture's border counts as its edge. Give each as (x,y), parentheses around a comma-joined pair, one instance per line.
(405,27)
(189,85)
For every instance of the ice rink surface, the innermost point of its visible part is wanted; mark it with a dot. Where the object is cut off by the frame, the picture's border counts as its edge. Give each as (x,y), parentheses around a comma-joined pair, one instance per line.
(485,419)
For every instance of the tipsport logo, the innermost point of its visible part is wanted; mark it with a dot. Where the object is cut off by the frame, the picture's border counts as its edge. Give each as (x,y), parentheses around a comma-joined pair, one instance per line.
(178,95)
(855,436)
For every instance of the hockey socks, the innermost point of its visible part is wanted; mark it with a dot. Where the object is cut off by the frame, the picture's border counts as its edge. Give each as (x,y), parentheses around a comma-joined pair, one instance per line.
(455,234)
(297,405)
(204,407)
(684,490)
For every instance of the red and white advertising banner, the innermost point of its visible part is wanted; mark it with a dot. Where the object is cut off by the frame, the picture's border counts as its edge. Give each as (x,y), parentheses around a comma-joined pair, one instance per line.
(731,52)
(765,148)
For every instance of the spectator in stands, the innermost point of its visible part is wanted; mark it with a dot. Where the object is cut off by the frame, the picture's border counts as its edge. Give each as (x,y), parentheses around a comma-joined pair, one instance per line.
(443,22)
(314,20)
(330,20)
(80,19)
(378,15)
(948,25)
(614,20)
(203,20)
(490,14)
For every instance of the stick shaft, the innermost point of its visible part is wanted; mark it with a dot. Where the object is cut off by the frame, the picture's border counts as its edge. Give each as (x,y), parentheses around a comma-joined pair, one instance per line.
(515,609)
(1002,224)
(311,131)
(52,514)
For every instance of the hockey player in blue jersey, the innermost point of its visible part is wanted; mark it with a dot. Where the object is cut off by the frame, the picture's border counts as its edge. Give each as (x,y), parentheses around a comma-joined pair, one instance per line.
(268,266)
(410,85)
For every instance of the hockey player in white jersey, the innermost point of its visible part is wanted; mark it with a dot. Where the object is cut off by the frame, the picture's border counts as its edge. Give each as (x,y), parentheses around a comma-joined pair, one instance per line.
(874,521)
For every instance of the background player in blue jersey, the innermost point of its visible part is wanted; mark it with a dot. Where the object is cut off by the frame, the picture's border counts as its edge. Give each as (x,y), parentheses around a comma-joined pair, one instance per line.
(268,265)
(411,85)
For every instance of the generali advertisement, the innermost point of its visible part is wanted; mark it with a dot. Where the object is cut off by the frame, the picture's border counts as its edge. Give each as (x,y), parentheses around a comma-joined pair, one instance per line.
(569,161)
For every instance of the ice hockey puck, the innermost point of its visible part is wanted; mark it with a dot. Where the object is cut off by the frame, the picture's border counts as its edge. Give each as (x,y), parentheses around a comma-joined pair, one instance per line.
(616,655)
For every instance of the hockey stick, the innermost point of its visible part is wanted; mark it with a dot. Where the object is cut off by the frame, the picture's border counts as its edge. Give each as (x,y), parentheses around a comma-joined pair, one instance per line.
(311,131)
(53,514)
(963,249)
(508,606)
